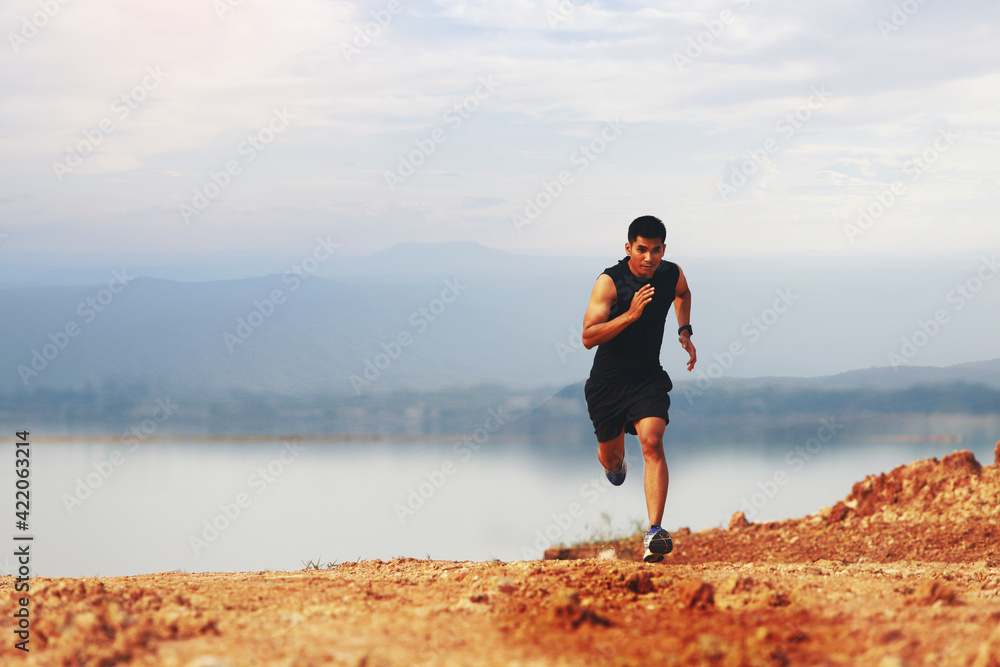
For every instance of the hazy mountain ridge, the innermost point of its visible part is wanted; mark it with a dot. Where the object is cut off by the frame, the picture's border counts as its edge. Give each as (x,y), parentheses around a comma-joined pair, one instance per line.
(271,334)
(902,377)
(430,316)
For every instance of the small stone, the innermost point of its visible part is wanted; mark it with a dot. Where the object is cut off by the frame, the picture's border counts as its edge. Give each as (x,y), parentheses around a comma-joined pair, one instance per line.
(930,592)
(738,521)
(568,609)
(697,595)
(640,583)
(507,585)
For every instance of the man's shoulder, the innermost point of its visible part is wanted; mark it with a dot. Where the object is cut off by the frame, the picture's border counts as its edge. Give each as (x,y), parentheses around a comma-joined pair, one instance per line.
(667,270)
(615,269)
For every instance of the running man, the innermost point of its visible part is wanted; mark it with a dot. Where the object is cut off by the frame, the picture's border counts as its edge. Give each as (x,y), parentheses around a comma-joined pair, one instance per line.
(627,389)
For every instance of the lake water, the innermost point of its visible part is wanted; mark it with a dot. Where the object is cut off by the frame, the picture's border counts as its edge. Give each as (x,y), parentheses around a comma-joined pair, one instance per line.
(268,505)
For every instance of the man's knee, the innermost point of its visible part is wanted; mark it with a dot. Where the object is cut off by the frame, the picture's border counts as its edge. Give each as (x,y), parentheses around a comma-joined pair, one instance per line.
(652,445)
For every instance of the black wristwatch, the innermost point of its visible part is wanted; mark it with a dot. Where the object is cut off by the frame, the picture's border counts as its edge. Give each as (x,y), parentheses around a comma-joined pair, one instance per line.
(686,326)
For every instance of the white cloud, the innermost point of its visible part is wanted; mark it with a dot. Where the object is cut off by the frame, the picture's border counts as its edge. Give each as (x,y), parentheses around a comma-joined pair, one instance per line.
(355,117)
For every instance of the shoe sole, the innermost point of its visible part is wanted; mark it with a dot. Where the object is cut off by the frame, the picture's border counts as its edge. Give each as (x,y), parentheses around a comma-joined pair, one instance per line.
(611,474)
(658,548)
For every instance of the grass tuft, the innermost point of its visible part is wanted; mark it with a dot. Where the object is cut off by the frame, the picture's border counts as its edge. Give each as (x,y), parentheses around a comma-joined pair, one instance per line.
(318,564)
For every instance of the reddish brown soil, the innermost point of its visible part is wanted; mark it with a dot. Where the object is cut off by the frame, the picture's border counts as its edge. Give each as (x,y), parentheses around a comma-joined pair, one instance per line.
(902,572)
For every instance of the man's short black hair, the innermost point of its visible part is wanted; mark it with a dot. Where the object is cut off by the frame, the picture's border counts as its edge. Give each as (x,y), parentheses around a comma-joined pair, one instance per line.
(647,226)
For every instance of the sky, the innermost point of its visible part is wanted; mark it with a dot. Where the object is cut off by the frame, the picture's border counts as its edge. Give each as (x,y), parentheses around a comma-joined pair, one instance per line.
(753,129)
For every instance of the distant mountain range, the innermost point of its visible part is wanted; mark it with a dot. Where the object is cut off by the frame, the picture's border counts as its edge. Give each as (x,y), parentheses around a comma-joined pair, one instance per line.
(287,335)
(879,378)
(425,317)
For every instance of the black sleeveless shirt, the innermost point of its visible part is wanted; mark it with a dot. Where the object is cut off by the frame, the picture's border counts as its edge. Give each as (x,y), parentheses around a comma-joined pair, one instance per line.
(634,354)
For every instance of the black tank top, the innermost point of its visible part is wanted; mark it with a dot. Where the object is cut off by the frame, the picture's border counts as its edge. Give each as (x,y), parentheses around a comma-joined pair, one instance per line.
(634,354)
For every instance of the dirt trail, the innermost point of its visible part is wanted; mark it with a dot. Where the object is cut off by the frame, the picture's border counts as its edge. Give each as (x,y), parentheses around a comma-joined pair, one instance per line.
(901,572)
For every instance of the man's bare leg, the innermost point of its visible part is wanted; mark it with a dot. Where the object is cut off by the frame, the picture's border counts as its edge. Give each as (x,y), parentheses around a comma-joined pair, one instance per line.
(656,477)
(611,453)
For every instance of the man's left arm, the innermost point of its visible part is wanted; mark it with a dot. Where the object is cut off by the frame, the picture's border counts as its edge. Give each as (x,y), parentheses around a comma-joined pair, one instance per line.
(682,308)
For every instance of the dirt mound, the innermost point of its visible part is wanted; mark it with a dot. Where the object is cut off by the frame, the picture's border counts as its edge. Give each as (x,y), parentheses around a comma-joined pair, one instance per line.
(81,622)
(944,510)
(951,490)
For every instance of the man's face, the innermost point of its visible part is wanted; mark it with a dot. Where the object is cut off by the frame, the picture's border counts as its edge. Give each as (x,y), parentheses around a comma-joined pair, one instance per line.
(644,256)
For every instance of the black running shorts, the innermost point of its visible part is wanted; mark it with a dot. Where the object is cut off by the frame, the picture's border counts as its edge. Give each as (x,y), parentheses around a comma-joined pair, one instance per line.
(616,405)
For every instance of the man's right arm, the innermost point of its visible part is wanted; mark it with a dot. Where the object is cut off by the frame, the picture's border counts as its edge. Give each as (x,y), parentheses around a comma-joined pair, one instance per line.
(596,327)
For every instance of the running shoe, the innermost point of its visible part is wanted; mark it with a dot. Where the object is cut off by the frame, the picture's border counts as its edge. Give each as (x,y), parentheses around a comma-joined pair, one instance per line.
(616,477)
(658,544)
